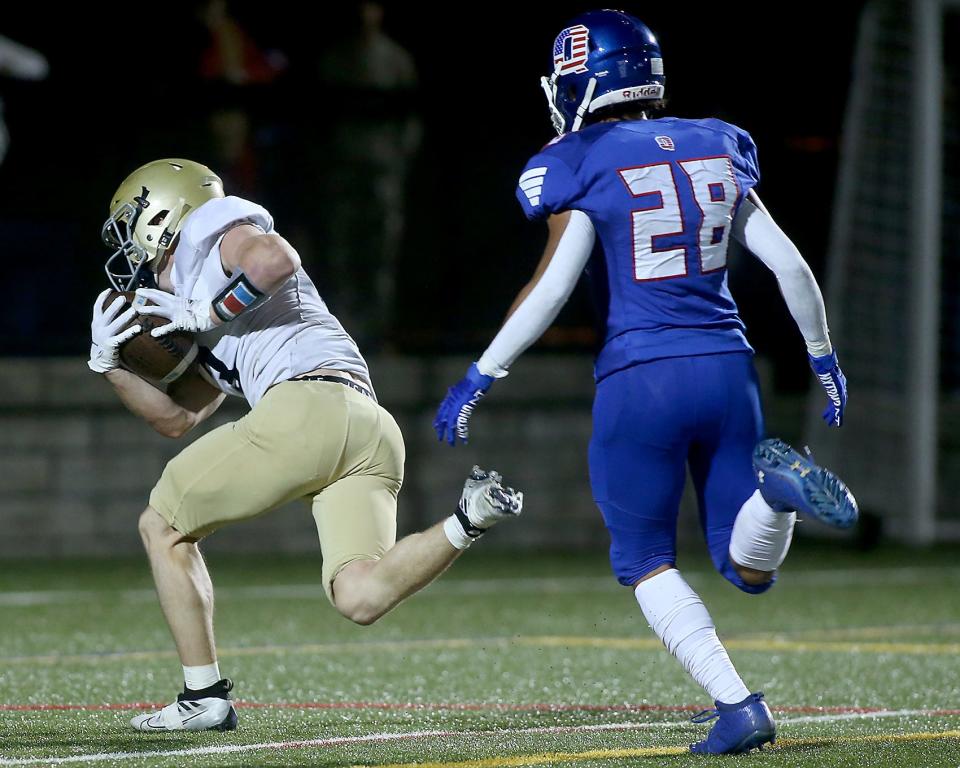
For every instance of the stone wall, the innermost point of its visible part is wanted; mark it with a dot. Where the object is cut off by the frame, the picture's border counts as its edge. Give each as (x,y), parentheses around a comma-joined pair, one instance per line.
(76,468)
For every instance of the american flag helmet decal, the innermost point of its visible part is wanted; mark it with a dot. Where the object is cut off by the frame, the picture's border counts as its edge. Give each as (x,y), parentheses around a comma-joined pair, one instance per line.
(570,50)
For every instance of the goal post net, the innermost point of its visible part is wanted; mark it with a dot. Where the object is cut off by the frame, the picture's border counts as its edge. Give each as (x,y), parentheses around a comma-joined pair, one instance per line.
(893,275)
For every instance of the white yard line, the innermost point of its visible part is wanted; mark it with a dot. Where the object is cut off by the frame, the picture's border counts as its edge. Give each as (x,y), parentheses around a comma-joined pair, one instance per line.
(838,717)
(224,749)
(387,737)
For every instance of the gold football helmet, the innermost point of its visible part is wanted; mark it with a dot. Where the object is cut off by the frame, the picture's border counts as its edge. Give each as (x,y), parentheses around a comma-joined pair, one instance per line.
(148,211)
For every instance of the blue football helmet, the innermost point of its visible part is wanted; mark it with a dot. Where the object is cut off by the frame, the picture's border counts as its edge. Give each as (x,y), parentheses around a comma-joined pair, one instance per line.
(601,58)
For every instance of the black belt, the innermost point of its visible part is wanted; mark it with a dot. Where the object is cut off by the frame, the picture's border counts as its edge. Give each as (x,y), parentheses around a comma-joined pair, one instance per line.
(338,380)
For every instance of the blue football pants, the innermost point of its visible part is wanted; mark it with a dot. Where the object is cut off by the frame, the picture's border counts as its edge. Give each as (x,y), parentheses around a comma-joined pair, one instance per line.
(652,420)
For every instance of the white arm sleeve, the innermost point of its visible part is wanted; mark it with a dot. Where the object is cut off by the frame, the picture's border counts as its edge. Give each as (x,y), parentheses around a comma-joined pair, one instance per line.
(759,234)
(541,306)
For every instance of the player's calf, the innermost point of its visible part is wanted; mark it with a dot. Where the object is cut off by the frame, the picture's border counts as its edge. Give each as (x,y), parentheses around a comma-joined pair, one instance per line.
(753,577)
(682,622)
(758,545)
(363,590)
(359,595)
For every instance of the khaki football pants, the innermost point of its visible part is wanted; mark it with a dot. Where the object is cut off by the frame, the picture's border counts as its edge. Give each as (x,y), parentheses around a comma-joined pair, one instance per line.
(305,439)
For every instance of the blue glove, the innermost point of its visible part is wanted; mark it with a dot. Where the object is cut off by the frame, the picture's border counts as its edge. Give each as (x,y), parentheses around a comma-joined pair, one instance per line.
(458,405)
(835,383)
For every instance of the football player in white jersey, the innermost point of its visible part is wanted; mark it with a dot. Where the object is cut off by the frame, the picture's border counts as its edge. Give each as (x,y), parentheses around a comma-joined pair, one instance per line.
(315,431)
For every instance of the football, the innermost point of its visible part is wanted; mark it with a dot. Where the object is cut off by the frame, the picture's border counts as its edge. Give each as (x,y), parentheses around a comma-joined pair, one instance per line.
(163,359)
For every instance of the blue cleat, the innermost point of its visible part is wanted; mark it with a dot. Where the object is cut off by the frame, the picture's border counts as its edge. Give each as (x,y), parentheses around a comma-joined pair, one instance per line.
(739,728)
(789,481)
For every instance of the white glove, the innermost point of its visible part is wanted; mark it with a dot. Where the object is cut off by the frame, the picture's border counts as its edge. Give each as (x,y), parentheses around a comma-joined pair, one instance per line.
(106,330)
(191,315)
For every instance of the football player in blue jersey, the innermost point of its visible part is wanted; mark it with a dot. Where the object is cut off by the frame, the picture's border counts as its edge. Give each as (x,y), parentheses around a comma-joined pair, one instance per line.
(647,205)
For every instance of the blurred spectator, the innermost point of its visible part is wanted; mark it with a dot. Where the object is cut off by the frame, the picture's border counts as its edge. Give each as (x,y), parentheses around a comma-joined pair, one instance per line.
(233,61)
(372,80)
(232,55)
(24,64)
(233,156)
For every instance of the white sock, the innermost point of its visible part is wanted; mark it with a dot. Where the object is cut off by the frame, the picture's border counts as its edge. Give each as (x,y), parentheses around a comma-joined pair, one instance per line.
(455,533)
(677,614)
(761,536)
(198,678)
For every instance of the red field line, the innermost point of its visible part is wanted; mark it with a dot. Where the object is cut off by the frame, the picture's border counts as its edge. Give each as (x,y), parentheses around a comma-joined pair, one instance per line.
(77,707)
(462,707)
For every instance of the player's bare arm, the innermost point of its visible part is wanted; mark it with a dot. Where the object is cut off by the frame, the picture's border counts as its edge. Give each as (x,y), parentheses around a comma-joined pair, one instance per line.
(265,258)
(110,328)
(257,262)
(157,408)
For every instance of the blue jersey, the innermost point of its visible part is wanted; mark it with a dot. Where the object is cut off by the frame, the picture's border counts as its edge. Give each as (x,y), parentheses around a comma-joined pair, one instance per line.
(662,195)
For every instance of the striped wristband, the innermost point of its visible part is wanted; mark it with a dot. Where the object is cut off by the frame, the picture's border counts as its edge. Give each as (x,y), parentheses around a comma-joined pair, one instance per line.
(238,296)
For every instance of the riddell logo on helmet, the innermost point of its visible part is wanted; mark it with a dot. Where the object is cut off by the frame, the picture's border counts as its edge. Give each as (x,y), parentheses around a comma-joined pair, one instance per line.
(642,92)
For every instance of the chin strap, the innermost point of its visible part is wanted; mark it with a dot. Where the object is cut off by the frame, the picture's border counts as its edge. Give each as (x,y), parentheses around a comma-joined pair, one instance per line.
(585,104)
(549,86)
(144,277)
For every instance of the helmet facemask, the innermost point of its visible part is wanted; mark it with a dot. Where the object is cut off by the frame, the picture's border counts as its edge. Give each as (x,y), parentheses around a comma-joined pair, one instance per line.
(549,85)
(129,258)
(130,265)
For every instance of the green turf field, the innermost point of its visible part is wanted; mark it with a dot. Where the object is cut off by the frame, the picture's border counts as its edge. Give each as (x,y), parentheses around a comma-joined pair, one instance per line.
(507,661)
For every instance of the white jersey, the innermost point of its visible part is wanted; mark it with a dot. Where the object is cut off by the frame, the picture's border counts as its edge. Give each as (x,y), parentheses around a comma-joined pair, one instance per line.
(291,333)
